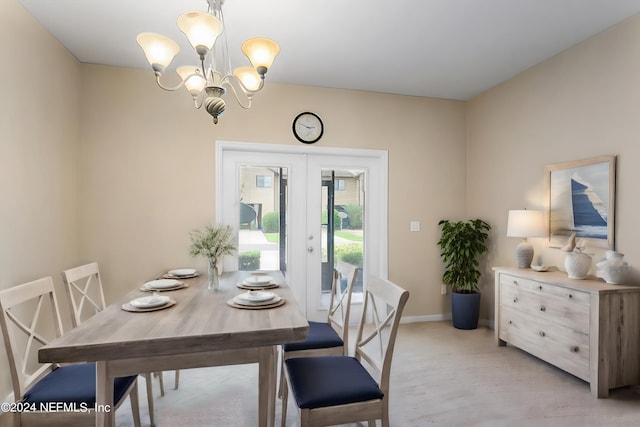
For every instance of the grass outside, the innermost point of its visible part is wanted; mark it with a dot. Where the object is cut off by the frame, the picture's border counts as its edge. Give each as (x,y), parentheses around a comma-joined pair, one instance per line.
(348,235)
(354,237)
(272,237)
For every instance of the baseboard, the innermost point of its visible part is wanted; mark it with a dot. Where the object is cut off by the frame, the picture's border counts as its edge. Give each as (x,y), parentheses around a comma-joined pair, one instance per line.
(428,318)
(440,317)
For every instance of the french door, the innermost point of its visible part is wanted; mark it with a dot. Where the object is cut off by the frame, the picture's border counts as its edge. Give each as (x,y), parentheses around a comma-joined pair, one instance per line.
(312,206)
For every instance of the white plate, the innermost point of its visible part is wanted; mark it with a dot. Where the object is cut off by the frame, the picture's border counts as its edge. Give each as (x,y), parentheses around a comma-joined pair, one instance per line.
(258,280)
(161,284)
(150,301)
(180,272)
(256,296)
(240,301)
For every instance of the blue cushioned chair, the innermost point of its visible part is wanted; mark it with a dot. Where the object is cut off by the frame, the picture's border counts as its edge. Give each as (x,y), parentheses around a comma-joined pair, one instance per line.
(86,298)
(73,386)
(330,337)
(332,390)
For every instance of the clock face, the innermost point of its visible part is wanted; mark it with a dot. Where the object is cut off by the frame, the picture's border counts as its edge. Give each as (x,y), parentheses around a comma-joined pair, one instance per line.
(307,128)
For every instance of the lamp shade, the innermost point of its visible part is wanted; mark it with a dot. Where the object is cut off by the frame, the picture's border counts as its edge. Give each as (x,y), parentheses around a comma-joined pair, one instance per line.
(201,28)
(261,52)
(526,223)
(193,81)
(249,78)
(158,49)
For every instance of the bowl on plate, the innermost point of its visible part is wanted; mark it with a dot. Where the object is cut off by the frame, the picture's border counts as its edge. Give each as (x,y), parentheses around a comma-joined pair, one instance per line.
(261,280)
(182,272)
(151,301)
(160,284)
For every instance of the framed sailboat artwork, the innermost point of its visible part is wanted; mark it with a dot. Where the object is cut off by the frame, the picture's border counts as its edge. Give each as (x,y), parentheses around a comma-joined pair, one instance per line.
(582,202)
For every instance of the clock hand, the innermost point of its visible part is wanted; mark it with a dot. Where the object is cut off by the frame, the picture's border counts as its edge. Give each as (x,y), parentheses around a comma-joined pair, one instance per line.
(308,127)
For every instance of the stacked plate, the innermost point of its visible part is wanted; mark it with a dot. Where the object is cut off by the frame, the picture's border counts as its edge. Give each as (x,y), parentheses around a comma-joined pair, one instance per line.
(162,285)
(181,273)
(150,303)
(256,298)
(258,282)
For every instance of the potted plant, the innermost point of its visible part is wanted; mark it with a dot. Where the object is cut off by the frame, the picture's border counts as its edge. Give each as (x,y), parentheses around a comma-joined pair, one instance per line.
(213,242)
(460,245)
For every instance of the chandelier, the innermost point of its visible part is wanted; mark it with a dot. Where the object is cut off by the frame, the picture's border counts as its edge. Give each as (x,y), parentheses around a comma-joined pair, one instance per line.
(208,82)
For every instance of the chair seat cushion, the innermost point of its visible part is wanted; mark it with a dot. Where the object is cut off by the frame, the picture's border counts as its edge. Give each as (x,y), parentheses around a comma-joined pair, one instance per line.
(74,384)
(318,382)
(321,335)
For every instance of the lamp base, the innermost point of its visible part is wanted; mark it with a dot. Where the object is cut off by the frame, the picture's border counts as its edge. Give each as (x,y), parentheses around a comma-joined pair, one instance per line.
(524,254)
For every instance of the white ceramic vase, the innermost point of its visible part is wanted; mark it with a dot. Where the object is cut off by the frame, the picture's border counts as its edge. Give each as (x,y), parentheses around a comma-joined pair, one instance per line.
(577,264)
(613,269)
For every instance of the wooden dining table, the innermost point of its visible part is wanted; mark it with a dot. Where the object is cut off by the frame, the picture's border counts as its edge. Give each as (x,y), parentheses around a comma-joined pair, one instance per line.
(200,330)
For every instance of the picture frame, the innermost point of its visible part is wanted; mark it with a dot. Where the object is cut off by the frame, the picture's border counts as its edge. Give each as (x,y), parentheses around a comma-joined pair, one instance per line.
(581,202)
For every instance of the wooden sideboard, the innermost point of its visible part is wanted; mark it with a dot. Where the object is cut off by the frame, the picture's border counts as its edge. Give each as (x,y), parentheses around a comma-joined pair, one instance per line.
(585,327)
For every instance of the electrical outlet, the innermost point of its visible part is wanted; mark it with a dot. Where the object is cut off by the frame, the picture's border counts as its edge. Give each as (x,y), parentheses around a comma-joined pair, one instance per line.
(443,289)
(414,226)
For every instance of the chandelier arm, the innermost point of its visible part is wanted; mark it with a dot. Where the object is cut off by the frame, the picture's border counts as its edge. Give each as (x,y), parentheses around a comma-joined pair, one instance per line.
(248,95)
(200,98)
(167,88)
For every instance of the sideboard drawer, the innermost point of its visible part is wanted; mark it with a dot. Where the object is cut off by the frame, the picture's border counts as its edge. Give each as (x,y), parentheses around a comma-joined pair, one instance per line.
(558,305)
(564,347)
(578,297)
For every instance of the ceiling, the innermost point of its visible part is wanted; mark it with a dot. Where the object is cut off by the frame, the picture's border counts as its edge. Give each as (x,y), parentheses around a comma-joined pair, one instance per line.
(452,49)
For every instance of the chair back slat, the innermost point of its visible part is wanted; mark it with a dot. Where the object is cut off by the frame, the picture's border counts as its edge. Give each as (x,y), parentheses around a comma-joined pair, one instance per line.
(375,342)
(84,291)
(16,303)
(340,302)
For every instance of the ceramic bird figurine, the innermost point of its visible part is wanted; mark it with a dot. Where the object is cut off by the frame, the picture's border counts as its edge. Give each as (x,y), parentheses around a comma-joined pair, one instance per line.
(571,243)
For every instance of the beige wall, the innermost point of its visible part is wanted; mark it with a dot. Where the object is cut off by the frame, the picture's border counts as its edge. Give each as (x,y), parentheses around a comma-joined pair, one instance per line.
(580,104)
(147,167)
(38,157)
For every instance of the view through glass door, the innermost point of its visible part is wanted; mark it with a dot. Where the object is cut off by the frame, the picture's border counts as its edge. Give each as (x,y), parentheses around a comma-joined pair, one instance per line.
(301,213)
(342,231)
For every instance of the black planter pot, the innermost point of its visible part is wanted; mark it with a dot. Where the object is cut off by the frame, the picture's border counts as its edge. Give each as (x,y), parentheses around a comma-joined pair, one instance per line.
(465,310)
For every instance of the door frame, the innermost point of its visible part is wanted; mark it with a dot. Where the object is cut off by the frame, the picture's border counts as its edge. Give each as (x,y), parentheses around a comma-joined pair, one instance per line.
(376,190)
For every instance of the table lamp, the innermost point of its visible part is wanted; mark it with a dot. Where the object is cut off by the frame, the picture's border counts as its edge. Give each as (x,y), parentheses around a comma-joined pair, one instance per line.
(525,223)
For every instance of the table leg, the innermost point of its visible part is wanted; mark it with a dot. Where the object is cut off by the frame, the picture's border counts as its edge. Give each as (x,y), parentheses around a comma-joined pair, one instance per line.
(105,416)
(267,386)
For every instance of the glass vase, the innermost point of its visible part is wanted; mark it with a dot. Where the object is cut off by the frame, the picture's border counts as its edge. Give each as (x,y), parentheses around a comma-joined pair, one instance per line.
(214,280)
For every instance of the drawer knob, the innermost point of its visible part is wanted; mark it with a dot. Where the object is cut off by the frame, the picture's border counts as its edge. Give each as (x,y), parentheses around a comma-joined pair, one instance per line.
(541,333)
(575,349)
(543,308)
(540,287)
(570,296)
(515,282)
(515,300)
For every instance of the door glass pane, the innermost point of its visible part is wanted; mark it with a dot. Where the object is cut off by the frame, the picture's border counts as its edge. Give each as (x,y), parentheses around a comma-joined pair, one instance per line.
(343,237)
(262,235)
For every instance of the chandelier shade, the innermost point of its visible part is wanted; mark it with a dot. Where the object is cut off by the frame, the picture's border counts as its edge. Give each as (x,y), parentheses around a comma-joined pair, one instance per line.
(208,82)
(261,52)
(193,81)
(202,30)
(249,78)
(158,49)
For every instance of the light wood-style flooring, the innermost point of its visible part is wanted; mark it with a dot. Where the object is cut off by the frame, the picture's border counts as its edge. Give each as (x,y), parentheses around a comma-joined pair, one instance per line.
(441,376)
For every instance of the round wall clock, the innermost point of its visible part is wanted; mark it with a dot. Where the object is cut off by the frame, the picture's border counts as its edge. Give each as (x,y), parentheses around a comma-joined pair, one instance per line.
(307,127)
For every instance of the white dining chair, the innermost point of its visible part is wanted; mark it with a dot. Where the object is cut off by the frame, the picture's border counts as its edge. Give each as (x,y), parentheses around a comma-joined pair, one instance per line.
(25,326)
(330,337)
(86,298)
(330,390)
